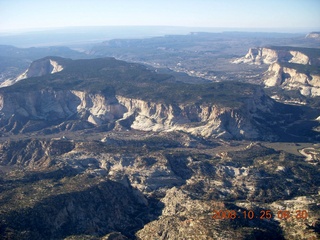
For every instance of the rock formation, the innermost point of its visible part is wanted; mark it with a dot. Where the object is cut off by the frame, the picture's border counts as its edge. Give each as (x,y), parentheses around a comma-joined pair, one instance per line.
(33,110)
(290,68)
(269,55)
(63,188)
(289,78)
(36,69)
(313,35)
(106,149)
(53,107)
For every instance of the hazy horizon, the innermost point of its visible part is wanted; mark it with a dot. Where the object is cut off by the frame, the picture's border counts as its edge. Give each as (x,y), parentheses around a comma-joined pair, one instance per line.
(285,15)
(71,36)
(169,29)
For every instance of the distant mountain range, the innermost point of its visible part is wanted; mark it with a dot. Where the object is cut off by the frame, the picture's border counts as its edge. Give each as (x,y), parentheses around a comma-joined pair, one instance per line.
(88,35)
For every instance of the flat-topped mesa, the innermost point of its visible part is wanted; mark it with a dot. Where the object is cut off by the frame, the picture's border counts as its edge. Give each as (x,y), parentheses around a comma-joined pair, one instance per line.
(265,55)
(291,68)
(108,93)
(270,55)
(55,107)
(198,119)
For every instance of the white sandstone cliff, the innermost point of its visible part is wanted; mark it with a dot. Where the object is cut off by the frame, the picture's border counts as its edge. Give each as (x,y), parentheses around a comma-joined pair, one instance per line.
(283,72)
(291,79)
(36,69)
(313,35)
(264,55)
(198,119)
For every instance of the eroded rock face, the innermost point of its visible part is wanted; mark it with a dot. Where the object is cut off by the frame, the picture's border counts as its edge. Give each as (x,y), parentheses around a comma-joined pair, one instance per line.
(290,68)
(42,67)
(187,218)
(314,35)
(96,188)
(203,120)
(98,108)
(36,69)
(106,207)
(32,153)
(263,55)
(291,79)
(299,58)
(53,107)
(270,55)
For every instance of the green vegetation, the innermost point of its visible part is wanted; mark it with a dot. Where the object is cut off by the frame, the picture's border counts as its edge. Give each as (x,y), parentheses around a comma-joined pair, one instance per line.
(80,199)
(111,77)
(65,200)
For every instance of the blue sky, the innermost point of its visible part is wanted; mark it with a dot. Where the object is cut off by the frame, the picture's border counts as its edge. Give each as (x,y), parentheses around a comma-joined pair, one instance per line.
(282,14)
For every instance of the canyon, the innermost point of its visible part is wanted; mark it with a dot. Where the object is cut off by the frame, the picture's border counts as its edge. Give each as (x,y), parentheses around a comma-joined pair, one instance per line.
(102,148)
(51,108)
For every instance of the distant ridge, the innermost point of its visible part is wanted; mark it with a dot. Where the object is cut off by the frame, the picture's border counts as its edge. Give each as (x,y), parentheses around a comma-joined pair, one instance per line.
(314,35)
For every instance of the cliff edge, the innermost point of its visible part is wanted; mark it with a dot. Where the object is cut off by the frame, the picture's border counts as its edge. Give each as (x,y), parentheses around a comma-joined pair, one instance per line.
(109,93)
(291,68)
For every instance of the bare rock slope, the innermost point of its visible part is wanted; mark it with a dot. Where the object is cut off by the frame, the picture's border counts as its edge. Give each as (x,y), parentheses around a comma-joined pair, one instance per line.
(73,99)
(62,188)
(36,69)
(291,68)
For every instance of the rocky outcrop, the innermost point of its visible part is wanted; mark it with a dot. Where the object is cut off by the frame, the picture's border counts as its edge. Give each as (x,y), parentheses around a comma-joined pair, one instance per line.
(102,208)
(300,58)
(32,154)
(42,67)
(78,99)
(290,78)
(202,120)
(95,188)
(265,55)
(37,69)
(54,107)
(184,218)
(97,108)
(290,68)
(313,35)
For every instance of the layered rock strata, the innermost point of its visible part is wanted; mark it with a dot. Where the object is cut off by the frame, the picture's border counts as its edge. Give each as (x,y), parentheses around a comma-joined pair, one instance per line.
(55,107)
